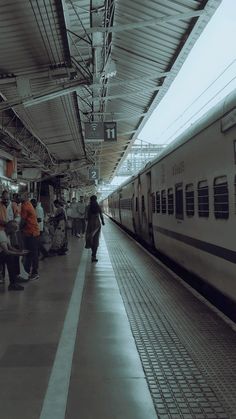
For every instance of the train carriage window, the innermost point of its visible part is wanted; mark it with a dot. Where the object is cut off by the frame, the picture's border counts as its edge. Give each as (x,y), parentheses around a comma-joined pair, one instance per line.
(203,199)
(221,197)
(179,201)
(170,196)
(163,201)
(136,204)
(153,203)
(143,204)
(189,199)
(158,202)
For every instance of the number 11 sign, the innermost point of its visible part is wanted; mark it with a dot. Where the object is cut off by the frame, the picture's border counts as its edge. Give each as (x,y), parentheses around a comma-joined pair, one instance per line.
(110,133)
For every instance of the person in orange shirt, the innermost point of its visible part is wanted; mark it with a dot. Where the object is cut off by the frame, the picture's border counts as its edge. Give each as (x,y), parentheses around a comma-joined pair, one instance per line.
(30,229)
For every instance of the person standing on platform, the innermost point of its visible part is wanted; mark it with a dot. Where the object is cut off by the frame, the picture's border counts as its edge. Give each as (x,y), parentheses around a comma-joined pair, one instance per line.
(10,256)
(30,230)
(6,211)
(16,207)
(6,214)
(94,218)
(17,237)
(81,216)
(60,241)
(39,212)
(40,216)
(74,217)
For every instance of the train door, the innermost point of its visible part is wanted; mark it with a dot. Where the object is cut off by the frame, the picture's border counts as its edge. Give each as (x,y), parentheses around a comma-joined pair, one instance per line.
(136,206)
(150,197)
(119,206)
(144,186)
(145,192)
(133,209)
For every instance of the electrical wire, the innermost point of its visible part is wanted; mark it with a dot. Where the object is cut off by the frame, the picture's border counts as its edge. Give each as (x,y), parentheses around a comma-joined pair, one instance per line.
(195,100)
(199,110)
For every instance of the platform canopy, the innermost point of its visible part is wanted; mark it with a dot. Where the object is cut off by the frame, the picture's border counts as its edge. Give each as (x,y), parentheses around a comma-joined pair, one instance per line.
(76,72)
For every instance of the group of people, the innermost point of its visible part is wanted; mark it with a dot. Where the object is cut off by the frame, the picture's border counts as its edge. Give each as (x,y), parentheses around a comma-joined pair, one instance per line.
(24,234)
(19,234)
(76,216)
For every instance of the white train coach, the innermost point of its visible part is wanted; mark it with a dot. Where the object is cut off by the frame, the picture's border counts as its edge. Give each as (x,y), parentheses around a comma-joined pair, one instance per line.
(184,202)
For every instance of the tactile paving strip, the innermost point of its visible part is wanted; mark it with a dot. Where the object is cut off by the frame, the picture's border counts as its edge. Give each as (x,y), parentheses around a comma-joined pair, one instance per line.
(188,353)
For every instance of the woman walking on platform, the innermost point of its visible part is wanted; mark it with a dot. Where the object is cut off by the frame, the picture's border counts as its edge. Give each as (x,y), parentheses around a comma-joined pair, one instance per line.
(94,218)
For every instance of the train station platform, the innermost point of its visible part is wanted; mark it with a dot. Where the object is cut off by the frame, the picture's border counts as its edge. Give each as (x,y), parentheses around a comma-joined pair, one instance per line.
(120,338)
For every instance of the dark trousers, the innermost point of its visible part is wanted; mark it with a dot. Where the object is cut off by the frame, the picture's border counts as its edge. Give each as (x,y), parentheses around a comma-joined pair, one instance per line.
(81,225)
(31,260)
(2,269)
(74,229)
(41,246)
(94,251)
(13,265)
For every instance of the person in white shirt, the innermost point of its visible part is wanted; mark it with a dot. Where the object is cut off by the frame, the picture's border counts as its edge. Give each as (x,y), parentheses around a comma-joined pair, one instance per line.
(40,216)
(74,217)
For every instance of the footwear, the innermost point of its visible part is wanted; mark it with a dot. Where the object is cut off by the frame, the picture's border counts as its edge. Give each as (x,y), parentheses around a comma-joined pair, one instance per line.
(15,287)
(94,260)
(78,235)
(34,277)
(22,279)
(24,275)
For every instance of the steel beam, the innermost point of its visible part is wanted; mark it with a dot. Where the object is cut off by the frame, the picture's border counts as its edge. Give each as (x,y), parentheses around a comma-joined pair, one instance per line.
(144,23)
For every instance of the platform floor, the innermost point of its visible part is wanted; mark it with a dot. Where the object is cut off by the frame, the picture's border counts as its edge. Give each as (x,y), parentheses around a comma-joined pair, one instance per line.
(120,338)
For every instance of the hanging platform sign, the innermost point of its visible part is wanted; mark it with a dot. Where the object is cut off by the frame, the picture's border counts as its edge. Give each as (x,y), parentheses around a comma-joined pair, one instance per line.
(94,131)
(93,173)
(100,131)
(110,132)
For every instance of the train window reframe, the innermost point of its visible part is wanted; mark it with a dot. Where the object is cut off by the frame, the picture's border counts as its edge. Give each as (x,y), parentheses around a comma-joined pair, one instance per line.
(163,201)
(153,202)
(179,201)
(170,201)
(203,186)
(189,200)
(158,202)
(219,213)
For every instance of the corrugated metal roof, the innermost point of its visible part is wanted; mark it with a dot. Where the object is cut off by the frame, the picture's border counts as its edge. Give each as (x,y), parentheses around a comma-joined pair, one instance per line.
(64,64)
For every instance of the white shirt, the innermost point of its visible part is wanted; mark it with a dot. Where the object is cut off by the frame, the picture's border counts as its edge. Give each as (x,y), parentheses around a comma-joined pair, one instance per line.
(74,210)
(10,214)
(40,214)
(81,209)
